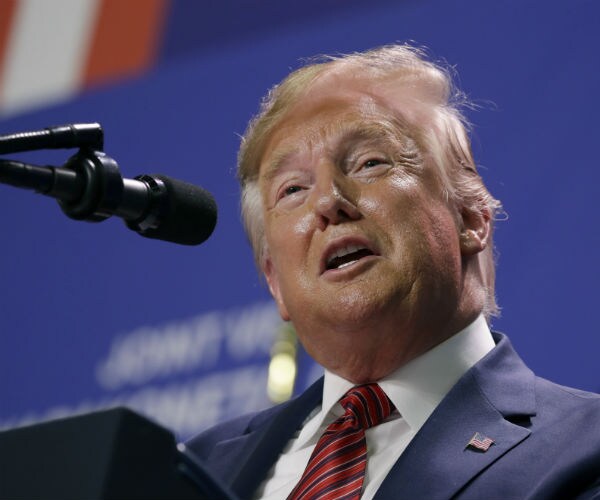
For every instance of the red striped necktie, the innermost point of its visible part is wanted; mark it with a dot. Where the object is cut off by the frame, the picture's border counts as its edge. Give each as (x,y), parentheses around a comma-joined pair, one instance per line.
(336,468)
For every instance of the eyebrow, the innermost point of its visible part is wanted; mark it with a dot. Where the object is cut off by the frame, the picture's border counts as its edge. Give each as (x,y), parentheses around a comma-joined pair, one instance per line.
(279,159)
(372,133)
(349,133)
(367,133)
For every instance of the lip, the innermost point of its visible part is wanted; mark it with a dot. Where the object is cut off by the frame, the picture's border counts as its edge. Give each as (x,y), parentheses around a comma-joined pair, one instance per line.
(340,243)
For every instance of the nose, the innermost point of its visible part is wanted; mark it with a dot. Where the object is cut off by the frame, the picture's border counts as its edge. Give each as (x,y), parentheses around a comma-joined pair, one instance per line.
(334,198)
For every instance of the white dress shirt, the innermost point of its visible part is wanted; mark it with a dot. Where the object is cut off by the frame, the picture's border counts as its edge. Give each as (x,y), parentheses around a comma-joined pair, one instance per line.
(416,389)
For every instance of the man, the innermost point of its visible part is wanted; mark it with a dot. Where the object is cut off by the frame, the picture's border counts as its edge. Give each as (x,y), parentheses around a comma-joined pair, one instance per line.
(374,233)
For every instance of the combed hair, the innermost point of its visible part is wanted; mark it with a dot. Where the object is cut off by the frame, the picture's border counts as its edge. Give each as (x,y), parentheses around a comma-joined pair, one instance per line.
(445,138)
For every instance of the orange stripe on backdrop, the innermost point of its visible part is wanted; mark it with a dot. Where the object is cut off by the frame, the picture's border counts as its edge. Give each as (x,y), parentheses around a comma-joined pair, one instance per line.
(126,41)
(7,11)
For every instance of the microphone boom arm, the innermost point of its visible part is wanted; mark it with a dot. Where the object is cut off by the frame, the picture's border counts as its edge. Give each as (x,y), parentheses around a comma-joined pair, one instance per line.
(89,187)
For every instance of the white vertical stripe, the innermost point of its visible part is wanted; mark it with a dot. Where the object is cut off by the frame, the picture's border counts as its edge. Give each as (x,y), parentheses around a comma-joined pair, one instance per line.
(46,51)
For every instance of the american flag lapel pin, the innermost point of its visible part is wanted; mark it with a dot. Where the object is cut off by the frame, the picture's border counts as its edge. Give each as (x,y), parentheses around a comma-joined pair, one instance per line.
(480,442)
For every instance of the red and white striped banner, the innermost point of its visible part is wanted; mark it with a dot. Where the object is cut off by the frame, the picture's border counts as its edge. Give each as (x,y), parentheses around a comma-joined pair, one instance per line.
(50,50)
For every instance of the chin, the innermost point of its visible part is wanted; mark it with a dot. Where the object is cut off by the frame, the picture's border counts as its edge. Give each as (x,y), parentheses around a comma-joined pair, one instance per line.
(353,314)
(366,303)
(354,364)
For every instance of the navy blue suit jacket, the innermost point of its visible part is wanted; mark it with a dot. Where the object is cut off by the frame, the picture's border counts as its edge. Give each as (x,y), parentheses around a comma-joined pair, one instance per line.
(546,440)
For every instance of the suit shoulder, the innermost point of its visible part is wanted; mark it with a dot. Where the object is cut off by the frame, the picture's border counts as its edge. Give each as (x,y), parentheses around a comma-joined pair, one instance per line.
(564,405)
(576,396)
(204,442)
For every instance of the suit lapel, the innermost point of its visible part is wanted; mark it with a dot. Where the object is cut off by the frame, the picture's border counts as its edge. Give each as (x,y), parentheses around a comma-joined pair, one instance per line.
(257,450)
(494,393)
(438,462)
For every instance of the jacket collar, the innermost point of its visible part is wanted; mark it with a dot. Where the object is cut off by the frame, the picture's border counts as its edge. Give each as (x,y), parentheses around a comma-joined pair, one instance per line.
(496,392)
(265,438)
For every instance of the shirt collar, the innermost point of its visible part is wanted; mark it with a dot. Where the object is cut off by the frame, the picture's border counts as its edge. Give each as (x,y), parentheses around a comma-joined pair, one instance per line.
(419,386)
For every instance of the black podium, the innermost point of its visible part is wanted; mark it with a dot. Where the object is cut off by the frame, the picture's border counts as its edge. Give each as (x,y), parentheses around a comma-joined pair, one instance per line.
(111,454)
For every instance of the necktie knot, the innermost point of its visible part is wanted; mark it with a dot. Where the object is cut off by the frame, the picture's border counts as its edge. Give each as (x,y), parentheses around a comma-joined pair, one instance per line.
(367,405)
(337,466)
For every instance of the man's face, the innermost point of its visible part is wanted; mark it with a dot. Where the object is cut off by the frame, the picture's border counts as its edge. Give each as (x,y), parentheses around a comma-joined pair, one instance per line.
(363,248)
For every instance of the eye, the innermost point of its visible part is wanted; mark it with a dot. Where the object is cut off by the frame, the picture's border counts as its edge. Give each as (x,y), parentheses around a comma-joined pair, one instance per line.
(370,165)
(373,162)
(290,186)
(291,190)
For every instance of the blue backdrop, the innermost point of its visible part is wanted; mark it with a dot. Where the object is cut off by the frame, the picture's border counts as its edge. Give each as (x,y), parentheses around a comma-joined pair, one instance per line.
(93,315)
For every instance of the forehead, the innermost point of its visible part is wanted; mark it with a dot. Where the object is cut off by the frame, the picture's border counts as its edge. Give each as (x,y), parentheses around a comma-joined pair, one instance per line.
(339,104)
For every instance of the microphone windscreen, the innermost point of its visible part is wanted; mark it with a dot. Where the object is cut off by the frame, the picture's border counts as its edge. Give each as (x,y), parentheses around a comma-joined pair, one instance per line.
(190,216)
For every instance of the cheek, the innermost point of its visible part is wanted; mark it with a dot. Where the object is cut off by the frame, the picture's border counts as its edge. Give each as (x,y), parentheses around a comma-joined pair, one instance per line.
(393,203)
(398,190)
(301,226)
(287,235)
(282,226)
(443,241)
(416,220)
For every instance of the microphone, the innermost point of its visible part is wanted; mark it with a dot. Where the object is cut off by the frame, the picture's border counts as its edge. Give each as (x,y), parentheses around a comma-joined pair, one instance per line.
(90,187)
(159,207)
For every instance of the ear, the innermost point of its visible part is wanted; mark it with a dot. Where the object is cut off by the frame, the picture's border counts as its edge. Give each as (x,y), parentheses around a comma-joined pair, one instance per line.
(273,282)
(475,232)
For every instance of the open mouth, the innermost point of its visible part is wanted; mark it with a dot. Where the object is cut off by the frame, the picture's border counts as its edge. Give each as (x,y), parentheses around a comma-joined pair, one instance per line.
(346,256)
